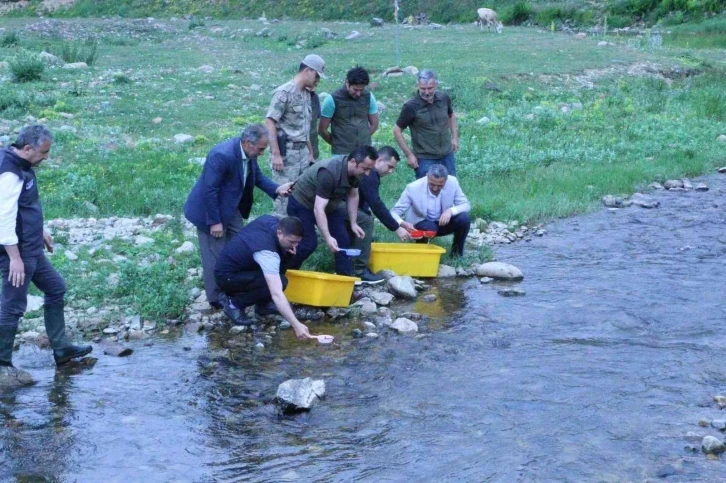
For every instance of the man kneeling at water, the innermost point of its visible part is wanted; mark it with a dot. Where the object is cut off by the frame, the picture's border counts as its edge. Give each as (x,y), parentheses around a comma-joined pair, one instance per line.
(436,203)
(251,267)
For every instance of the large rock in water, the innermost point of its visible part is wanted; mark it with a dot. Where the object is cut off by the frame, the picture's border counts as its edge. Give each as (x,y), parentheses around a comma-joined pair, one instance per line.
(404,325)
(299,394)
(712,445)
(499,270)
(11,377)
(402,286)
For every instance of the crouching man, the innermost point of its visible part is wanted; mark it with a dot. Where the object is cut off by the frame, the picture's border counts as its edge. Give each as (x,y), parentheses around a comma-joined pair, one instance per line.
(251,267)
(436,203)
(22,239)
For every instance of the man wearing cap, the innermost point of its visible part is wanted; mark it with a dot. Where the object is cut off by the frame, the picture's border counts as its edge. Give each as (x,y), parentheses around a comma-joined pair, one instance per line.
(351,112)
(288,120)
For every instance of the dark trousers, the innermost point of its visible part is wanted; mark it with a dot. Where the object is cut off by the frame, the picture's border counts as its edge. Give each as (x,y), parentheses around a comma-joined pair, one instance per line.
(41,273)
(365,221)
(425,164)
(246,288)
(309,242)
(458,225)
(209,250)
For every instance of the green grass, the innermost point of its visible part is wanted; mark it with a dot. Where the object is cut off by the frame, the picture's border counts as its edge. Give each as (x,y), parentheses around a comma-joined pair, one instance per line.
(531,162)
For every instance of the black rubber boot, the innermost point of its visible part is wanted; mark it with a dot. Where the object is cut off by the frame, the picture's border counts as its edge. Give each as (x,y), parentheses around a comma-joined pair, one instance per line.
(7,340)
(55,327)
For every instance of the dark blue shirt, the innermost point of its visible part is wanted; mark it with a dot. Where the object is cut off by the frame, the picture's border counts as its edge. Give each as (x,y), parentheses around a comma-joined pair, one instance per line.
(370,200)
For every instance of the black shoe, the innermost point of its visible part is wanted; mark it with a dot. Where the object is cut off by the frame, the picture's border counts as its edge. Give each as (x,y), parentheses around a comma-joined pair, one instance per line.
(369,278)
(219,304)
(266,309)
(237,316)
(64,355)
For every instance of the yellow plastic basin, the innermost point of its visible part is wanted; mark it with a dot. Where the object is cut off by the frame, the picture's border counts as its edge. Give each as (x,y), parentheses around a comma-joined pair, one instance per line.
(414,259)
(319,289)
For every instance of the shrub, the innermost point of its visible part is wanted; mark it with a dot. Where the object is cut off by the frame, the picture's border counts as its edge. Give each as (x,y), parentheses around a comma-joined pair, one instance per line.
(121,78)
(315,41)
(194,23)
(517,14)
(86,51)
(26,66)
(10,39)
(548,15)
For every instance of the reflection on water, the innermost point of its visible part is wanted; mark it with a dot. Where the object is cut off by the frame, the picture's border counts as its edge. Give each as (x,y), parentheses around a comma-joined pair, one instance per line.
(597,374)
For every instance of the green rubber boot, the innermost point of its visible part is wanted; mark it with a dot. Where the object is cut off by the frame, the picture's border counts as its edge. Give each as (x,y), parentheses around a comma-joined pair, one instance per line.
(55,327)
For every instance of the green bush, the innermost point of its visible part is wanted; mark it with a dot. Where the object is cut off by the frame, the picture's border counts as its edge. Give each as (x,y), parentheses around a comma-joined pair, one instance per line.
(517,14)
(73,51)
(194,23)
(315,41)
(121,78)
(619,21)
(26,66)
(10,39)
(548,15)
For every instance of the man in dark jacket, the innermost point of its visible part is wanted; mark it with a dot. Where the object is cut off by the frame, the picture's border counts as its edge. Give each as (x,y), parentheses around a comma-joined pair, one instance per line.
(223,195)
(22,239)
(251,270)
(370,201)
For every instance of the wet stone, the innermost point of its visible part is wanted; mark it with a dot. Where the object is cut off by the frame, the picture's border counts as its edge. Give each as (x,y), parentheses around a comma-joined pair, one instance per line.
(666,471)
(673,184)
(701,187)
(429,298)
(116,350)
(719,424)
(12,377)
(299,394)
(356,333)
(512,292)
(404,326)
(712,445)
(644,201)
(499,270)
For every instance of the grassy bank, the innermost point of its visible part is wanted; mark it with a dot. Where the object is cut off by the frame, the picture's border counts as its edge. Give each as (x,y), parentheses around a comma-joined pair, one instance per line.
(619,13)
(548,124)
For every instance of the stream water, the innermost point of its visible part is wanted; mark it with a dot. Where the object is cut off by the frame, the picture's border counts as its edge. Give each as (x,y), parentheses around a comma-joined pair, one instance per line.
(596,374)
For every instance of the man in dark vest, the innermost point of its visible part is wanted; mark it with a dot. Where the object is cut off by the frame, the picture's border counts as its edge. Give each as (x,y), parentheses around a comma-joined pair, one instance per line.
(370,201)
(251,270)
(22,239)
(317,200)
(223,196)
(434,133)
(351,112)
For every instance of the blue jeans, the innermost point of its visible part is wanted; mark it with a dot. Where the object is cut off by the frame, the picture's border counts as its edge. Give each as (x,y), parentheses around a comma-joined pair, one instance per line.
(425,164)
(309,242)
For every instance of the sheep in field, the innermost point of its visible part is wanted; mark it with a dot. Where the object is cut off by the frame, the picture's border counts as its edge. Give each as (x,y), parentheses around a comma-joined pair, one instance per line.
(489,17)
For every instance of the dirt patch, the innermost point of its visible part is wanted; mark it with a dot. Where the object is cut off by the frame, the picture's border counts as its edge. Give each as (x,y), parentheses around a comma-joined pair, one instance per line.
(587,78)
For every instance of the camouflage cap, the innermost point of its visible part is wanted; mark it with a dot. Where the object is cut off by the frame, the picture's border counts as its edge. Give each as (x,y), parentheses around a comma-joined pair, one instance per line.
(316,63)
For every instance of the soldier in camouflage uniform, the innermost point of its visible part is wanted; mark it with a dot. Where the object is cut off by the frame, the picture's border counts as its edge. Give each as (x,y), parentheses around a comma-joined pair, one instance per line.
(315,119)
(288,120)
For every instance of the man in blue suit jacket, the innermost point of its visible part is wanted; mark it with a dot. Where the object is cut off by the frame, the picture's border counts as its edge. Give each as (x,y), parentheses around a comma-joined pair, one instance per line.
(223,195)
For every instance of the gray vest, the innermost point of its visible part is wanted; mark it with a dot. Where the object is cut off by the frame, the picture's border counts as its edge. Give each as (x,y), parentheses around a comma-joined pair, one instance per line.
(349,125)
